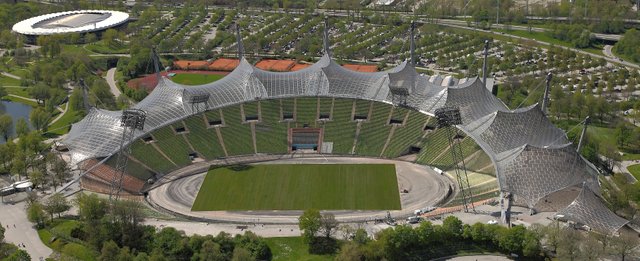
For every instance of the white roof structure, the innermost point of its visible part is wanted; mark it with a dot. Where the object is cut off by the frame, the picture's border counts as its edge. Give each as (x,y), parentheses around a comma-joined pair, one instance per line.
(82,21)
(532,157)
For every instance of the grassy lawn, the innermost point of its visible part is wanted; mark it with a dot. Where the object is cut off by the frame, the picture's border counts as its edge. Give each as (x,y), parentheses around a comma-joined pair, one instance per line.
(292,248)
(544,37)
(20,91)
(101,47)
(299,187)
(8,81)
(62,126)
(61,229)
(195,79)
(630,156)
(635,170)
(20,100)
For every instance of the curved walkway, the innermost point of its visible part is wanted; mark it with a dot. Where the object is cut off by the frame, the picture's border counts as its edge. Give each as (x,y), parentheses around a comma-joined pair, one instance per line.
(111,80)
(425,186)
(20,231)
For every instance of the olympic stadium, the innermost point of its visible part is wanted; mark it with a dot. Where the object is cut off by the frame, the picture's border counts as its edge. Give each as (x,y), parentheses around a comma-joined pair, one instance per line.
(326,114)
(80,21)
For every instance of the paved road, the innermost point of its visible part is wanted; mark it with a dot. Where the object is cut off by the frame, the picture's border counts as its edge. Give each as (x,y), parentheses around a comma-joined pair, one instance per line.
(23,233)
(608,37)
(616,61)
(111,80)
(608,53)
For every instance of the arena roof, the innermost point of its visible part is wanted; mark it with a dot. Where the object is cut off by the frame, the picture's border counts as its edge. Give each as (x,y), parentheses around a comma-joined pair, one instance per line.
(82,21)
(532,157)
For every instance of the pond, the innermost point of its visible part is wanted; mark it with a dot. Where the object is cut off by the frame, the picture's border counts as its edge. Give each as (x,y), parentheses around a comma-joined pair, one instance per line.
(16,110)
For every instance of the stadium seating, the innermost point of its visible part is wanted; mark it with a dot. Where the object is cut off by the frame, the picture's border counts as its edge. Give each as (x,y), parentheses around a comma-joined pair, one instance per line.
(306,112)
(147,153)
(236,135)
(341,129)
(173,144)
(375,131)
(170,147)
(406,135)
(271,132)
(203,137)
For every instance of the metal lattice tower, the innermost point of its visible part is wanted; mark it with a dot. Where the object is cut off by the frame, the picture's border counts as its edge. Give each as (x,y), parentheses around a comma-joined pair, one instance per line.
(131,120)
(448,117)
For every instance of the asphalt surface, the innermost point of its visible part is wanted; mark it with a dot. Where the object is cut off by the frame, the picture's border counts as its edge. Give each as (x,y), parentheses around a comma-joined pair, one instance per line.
(425,186)
(20,231)
(111,80)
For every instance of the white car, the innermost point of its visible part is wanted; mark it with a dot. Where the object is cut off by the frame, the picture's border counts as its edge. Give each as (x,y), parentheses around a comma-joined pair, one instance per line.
(492,222)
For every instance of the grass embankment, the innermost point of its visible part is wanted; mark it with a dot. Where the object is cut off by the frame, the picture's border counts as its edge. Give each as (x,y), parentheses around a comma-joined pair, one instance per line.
(195,78)
(58,236)
(292,248)
(300,187)
(634,170)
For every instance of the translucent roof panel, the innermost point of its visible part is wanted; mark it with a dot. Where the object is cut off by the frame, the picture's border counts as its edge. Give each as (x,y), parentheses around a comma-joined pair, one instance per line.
(504,131)
(530,173)
(589,209)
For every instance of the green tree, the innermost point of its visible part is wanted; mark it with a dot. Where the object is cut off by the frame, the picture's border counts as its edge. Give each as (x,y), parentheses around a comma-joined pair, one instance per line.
(22,127)
(2,230)
(452,227)
(310,223)
(241,254)
(6,125)
(40,92)
(40,119)
(109,37)
(210,251)
(328,224)
(109,252)
(350,251)
(569,245)
(36,214)
(56,204)
(19,255)
(37,177)
(3,91)
(90,207)
(623,246)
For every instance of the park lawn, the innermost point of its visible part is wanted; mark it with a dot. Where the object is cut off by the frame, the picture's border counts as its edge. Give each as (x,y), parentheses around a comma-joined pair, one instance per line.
(62,126)
(61,229)
(195,78)
(292,248)
(20,100)
(8,81)
(20,91)
(102,48)
(635,170)
(544,37)
(300,187)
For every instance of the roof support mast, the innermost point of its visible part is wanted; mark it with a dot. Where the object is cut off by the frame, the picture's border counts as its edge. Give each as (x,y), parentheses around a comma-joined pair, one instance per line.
(325,37)
(239,42)
(156,62)
(587,121)
(413,44)
(545,98)
(484,63)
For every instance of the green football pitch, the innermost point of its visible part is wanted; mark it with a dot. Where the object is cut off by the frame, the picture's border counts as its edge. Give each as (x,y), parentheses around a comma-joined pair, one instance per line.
(195,78)
(300,187)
